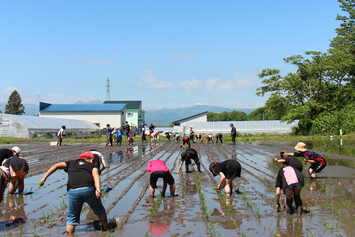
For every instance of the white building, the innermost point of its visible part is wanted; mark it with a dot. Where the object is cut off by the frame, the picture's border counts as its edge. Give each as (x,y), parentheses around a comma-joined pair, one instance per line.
(99,114)
(180,125)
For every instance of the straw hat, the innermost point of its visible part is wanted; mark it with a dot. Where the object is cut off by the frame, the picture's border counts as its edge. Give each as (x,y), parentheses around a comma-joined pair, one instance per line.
(301,147)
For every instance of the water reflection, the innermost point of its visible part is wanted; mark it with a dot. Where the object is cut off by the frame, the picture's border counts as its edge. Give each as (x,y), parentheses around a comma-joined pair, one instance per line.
(292,227)
(15,212)
(159,223)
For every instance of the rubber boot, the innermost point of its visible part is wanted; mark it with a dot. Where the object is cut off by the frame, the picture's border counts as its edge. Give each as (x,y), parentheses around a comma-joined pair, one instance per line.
(289,208)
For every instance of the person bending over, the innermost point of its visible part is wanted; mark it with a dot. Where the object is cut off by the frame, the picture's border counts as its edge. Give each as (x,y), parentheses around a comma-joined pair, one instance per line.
(290,180)
(187,156)
(318,163)
(228,170)
(158,169)
(83,186)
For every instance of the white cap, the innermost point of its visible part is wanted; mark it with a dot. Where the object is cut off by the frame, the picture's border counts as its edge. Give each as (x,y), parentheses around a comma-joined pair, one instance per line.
(16,149)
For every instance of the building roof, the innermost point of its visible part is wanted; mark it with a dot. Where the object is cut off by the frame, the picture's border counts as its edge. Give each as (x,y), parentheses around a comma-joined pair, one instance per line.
(191,117)
(45,107)
(35,122)
(131,104)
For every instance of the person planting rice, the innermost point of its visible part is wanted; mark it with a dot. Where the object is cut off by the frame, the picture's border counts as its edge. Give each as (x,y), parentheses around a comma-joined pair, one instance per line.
(186,157)
(4,154)
(158,169)
(318,163)
(209,139)
(228,170)
(18,168)
(219,137)
(290,180)
(185,140)
(83,186)
(130,140)
(153,137)
(198,137)
(177,137)
(167,135)
(292,161)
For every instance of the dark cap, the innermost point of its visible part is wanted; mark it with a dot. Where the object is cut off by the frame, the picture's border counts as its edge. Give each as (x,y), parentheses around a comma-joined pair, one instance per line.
(212,166)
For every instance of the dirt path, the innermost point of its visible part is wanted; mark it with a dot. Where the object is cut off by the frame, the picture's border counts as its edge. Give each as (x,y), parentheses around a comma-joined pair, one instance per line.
(198,210)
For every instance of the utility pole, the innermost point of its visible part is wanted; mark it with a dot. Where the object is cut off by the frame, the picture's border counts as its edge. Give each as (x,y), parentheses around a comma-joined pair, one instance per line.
(108,96)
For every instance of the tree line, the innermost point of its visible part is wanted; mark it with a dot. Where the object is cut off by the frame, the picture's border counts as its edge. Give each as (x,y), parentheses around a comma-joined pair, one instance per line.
(258,114)
(320,94)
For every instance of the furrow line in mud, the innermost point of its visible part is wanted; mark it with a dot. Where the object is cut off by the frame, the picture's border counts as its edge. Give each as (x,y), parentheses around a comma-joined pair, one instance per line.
(132,171)
(135,204)
(153,153)
(131,184)
(249,164)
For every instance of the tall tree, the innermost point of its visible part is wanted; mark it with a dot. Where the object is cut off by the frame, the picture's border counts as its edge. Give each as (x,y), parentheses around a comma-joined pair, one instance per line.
(14,105)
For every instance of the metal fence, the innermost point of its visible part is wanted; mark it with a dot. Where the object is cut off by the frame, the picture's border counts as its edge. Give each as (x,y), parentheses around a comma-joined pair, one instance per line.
(243,127)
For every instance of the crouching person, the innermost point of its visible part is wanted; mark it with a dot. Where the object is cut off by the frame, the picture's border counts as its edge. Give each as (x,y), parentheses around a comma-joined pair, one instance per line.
(83,186)
(158,169)
(290,180)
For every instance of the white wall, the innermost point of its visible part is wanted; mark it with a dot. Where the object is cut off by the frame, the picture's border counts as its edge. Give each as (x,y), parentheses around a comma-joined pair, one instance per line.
(115,119)
(181,128)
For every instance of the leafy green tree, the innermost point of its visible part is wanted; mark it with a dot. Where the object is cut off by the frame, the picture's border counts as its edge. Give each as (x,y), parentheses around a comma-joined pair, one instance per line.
(14,105)
(322,89)
(237,116)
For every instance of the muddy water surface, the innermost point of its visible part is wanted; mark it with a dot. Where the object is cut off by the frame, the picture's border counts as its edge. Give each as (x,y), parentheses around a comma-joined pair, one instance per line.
(198,210)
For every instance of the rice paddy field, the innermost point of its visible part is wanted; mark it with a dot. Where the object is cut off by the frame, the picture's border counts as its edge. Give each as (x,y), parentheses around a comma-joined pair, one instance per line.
(198,210)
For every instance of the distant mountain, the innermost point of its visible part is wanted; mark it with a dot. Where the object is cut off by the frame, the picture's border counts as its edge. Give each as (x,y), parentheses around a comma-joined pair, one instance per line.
(90,102)
(164,117)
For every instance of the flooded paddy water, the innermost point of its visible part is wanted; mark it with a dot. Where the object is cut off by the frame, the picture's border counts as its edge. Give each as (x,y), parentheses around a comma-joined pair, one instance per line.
(198,210)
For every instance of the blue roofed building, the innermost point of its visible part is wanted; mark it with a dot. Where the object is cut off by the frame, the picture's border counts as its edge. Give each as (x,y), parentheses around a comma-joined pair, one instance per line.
(135,115)
(99,114)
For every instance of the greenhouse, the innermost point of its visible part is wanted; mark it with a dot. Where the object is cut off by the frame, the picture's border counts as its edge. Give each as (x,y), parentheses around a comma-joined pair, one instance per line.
(23,126)
(243,127)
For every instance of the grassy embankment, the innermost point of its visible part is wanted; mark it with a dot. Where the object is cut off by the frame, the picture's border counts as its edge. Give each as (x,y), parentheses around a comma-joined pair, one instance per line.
(226,138)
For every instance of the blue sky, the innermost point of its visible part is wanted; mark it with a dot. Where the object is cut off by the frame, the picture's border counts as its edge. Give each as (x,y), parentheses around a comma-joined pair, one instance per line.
(168,54)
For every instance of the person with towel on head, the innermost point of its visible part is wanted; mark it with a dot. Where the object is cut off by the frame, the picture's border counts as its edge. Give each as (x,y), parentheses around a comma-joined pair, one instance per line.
(18,168)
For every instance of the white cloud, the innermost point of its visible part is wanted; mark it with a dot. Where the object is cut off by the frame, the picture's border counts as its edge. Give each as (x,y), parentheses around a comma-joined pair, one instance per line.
(5,94)
(150,80)
(96,61)
(190,84)
(245,79)
(219,85)
(183,56)
(200,104)
(240,81)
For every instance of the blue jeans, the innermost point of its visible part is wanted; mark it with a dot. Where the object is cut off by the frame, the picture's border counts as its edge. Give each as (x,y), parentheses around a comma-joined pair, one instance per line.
(76,199)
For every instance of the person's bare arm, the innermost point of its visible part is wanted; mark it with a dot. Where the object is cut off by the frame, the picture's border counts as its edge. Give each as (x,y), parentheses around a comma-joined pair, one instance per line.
(279,161)
(180,165)
(103,164)
(223,178)
(96,176)
(55,167)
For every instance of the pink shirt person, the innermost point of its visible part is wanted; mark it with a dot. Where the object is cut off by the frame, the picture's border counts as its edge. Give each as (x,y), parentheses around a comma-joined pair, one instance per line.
(157,165)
